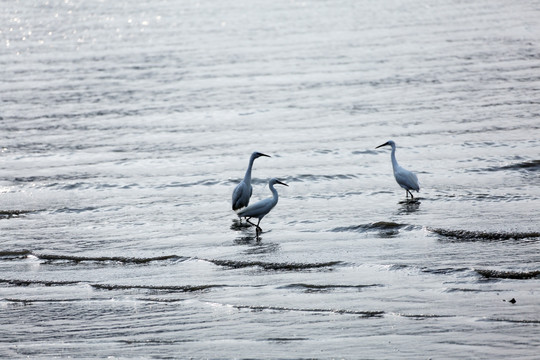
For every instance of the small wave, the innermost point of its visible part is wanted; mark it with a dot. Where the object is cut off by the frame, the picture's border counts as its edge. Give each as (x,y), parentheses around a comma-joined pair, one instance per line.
(72,186)
(530,165)
(75,210)
(22,254)
(466,235)
(362,152)
(312,288)
(204,182)
(167,288)
(8,214)
(14,254)
(455,289)
(17,282)
(444,271)
(173,288)
(54,179)
(514,321)
(153,342)
(273,266)
(118,259)
(516,275)
(423,316)
(324,151)
(320,177)
(285,339)
(158,300)
(367,314)
(376,226)
(398,267)
(30,301)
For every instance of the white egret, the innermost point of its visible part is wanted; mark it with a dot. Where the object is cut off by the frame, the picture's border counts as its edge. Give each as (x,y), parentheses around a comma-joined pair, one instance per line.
(405,178)
(263,207)
(243,191)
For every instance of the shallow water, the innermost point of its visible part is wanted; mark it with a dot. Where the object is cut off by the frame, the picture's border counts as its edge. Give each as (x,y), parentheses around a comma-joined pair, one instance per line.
(125,128)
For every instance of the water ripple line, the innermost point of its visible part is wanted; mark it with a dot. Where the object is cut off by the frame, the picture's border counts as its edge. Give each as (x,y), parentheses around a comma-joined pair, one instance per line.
(529,165)
(312,288)
(17,282)
(365,314)
(376,226)
(118,259)
(173,288)
(8,214)
(233,264)
(467,235)
(514,275)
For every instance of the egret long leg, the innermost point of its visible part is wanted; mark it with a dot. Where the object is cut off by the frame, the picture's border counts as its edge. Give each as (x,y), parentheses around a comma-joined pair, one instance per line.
(247,219)
(258,227)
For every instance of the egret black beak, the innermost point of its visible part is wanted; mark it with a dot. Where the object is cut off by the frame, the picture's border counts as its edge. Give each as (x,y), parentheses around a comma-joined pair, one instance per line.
(282,183)
(386,143)
(261,154)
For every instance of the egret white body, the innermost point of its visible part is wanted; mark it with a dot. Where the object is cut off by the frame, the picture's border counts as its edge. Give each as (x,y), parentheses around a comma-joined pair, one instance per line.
(263,207)
(242,192)
(405,178)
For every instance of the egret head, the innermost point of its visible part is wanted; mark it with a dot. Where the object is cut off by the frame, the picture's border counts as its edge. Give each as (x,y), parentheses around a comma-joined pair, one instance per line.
(274,181)
(257,154)
(388,143)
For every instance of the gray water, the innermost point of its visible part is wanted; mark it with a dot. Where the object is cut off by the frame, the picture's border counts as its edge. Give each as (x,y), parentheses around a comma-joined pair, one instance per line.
(125,127)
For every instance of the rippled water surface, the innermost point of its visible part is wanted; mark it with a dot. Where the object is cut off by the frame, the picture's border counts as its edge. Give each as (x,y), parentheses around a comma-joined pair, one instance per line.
(125,127)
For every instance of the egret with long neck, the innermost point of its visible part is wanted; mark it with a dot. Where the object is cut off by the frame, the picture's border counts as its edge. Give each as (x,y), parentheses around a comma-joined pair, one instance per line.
(405,178)
(262,207)
(242,192)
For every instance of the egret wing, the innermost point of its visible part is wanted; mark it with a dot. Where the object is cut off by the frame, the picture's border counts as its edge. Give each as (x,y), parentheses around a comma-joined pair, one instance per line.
(406,179)
(241,195)
(414,179)
(259,209)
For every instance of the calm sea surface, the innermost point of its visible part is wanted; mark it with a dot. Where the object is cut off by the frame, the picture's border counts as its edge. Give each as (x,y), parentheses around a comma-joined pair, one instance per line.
(125,126)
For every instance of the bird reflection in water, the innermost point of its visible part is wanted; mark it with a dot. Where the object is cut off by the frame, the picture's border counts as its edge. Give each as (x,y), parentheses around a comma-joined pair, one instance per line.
(408,206)
(255,245)
(238,225)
